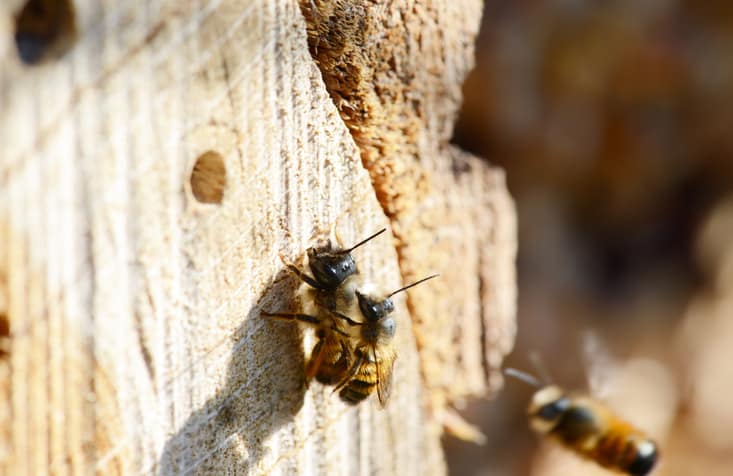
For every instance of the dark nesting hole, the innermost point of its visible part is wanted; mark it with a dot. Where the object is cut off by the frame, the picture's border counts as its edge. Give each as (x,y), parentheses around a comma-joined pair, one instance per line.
(4,335)
(44,29)
(209,178)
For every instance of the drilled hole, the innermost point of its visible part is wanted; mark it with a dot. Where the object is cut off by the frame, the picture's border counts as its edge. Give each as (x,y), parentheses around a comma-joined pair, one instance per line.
(44,29)
(209,178)
(4,335)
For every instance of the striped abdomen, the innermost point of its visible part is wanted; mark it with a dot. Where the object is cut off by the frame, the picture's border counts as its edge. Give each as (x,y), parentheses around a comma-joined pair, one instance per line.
(329,360)
(362,384)
(596,433)
(625,448)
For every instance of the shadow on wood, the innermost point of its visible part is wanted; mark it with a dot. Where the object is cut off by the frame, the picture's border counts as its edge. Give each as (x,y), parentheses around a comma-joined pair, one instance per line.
(264,390)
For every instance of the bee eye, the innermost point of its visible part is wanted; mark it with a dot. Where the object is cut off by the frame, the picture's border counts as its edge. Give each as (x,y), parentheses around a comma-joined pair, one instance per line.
(369,307)
(347,266)
(373,311)
(553,410)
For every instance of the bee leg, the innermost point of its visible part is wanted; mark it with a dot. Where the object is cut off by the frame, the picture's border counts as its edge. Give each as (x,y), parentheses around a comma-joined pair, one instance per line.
(301,275)
(312,320)
(293,317)
(350,374)
(304,277)
(315,361)
(348,320)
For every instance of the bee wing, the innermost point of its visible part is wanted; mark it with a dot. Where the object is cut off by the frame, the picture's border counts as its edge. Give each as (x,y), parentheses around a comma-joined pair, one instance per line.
(384,374)
(601,366)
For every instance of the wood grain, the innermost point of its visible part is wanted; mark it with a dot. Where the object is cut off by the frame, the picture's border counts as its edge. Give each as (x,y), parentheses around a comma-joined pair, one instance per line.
(394,70)
(135,343)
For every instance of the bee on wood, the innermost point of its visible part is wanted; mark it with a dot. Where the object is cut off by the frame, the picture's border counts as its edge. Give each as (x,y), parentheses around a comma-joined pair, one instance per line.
(371,352)
(331,287)
(589,428)
(330,264)
(353,353)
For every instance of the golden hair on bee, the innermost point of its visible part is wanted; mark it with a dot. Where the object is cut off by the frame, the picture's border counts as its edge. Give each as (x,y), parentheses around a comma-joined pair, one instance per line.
(588,428)
(330,286)
(372,349)
(354,328)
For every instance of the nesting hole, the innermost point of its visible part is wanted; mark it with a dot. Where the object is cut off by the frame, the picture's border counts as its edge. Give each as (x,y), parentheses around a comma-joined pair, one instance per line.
(44,29)
(4,318)
(209,178)
(4,335)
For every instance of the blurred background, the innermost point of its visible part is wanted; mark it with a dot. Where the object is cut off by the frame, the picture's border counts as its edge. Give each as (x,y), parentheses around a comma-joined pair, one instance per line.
(614,122)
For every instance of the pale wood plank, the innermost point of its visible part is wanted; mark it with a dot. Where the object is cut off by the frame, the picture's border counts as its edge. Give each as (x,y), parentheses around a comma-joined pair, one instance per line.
(136,343)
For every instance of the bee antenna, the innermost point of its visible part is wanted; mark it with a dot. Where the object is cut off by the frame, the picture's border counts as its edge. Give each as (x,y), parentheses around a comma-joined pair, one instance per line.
(523,376)
(364,241)
(414,284)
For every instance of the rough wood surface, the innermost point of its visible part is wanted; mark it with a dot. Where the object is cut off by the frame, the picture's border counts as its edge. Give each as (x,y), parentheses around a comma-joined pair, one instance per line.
(133,340)
(395,70)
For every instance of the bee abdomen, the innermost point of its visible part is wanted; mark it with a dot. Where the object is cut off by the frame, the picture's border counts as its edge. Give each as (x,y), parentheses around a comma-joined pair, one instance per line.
(361,385)
(356,391)
(331,371)
(327,376)
(329,361)
(622,447)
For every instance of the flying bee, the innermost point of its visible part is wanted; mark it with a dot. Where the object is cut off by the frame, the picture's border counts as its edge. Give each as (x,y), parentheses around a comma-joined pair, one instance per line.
(589,428)
(331,287)
(372,353)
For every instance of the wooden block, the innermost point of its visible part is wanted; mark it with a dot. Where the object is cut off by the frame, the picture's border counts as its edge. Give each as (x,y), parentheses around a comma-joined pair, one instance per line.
(132,292)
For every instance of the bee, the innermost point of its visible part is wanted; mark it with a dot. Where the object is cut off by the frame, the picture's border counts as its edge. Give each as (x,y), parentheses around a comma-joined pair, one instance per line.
(330,264)
(331,287)
(589,428)
(354,354)
(371,352)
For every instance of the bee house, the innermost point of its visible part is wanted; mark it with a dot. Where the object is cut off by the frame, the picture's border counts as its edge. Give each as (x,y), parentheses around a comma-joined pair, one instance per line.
(158,159)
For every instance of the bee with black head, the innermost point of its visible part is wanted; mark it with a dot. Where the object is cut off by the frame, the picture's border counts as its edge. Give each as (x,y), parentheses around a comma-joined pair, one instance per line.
(331,287)
(371,347)
(589,428)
